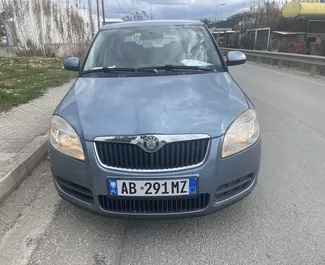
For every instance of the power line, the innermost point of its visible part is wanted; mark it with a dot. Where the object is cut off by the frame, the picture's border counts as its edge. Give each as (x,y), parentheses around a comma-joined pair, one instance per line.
(121,7)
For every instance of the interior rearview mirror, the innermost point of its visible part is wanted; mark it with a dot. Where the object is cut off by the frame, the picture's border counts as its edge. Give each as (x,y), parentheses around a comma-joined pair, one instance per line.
(236,58)
(72,64)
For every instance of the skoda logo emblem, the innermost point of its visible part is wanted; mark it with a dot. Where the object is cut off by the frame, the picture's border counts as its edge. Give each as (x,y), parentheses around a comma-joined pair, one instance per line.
(151,143)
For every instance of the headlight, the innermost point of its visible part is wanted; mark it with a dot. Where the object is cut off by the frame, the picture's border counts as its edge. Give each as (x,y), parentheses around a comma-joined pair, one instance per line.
(242,133)
(64,138)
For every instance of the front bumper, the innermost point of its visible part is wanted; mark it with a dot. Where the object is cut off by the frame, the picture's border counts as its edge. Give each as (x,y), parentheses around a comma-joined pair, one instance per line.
(85,183)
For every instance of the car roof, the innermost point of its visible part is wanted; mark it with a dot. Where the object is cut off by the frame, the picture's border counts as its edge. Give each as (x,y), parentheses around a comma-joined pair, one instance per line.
(152,23)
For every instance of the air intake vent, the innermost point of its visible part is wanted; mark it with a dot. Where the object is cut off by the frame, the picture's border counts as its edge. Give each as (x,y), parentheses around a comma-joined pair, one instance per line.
(75,190)
(233,188)
(152,206)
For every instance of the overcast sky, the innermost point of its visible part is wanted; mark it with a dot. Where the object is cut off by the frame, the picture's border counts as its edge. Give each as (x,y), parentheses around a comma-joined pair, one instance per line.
(176,9)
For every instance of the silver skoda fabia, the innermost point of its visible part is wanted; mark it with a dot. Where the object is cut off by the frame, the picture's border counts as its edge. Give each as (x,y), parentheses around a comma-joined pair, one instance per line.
(154,125)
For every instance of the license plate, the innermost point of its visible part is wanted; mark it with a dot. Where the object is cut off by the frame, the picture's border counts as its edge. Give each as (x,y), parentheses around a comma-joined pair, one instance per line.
(145,188)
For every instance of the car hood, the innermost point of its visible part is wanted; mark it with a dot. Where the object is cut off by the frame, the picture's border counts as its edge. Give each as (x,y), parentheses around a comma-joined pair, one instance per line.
(179,104)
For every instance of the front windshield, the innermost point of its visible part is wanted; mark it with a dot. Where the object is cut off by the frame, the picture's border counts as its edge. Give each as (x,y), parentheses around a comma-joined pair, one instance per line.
(149,46)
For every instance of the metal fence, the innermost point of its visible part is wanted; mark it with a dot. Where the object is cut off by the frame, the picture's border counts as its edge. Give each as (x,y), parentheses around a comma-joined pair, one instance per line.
(314,64)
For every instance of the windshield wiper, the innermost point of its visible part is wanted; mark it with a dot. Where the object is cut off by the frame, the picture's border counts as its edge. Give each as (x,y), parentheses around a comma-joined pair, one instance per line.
(170,67)
(107,69)
(150,69)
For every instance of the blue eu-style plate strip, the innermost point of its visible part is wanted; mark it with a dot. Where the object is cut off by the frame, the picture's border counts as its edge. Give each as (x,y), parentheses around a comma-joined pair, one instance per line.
(112,187)
(193,186)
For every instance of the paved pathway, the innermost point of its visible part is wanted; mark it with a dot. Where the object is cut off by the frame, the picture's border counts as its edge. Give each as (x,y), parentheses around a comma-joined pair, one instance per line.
(23,124)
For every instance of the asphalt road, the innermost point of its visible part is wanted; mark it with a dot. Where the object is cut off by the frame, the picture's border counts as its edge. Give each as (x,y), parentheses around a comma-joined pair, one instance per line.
(281,222)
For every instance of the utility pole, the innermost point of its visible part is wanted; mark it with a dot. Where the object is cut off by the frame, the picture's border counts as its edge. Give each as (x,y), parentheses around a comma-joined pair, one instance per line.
(132,10)
(98,14)
(91,18)
(103,9)
(151,10)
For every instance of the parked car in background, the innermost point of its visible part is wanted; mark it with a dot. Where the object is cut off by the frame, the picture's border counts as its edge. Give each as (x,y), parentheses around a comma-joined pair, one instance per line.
(155,130)
(110,21)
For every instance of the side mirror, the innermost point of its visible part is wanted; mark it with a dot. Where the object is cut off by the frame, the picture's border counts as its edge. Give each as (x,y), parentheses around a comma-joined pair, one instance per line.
(72,64)
(236,58)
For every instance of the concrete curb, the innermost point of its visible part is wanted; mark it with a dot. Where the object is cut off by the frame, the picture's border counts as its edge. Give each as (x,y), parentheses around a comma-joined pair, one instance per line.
(21,165)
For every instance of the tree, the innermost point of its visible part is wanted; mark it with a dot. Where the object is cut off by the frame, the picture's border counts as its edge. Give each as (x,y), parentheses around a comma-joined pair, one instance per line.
(207,22)
(264,14)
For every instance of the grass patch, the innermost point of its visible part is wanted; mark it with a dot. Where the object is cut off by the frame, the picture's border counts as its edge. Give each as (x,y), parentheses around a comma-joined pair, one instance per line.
(26,78)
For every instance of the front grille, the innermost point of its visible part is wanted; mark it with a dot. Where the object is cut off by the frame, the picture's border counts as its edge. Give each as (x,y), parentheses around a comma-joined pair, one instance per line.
(171,156)
(153,206)
(233,188)
(75,190)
